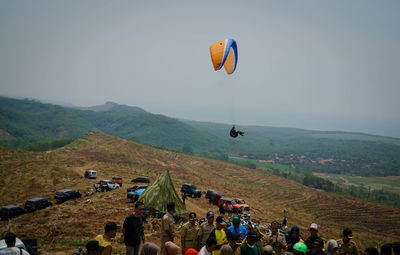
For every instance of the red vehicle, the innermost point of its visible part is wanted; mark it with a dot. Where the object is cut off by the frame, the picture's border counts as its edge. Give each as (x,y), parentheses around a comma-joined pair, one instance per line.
(117,180)
(236,208)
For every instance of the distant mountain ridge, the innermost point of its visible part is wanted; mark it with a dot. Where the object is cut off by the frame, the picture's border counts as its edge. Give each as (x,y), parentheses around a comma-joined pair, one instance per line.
(26,122)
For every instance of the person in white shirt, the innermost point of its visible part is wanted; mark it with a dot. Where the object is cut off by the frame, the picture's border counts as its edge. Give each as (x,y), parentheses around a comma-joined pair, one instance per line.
(207,249)
(10,239)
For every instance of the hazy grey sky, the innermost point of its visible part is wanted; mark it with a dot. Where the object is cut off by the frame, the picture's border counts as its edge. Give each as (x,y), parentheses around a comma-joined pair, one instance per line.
(328,65)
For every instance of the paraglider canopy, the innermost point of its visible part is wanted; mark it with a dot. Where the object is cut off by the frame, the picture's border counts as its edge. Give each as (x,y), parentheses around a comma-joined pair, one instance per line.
(224,53)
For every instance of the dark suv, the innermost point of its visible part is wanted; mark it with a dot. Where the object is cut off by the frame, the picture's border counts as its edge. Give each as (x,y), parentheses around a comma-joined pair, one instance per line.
(11,211)
(37,203)
(66,194)
(213,196)
(190,190)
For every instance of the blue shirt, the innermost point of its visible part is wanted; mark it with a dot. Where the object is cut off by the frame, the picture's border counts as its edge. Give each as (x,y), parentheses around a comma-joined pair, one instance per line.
(242,231)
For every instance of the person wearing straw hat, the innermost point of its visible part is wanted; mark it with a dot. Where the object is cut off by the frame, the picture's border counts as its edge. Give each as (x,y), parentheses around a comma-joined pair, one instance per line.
(346,245)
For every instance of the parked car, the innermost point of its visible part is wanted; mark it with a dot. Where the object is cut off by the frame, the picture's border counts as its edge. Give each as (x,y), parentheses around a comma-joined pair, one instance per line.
(241,202)
(236,208)
(136,187)
(66,194)
(37,203)
(141,179)
(10,211)
(135,194)
(105,185)
(190,190)
(214,197)
(117,180)
(91,174)
(18,243)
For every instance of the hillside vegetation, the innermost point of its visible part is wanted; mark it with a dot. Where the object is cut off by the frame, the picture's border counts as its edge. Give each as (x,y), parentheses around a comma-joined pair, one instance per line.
(24,175)
(31,125)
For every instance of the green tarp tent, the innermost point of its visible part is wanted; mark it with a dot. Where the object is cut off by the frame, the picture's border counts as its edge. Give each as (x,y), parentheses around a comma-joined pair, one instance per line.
(161,192)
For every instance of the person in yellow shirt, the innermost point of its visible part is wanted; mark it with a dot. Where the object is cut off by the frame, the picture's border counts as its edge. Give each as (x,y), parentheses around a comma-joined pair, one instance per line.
(110,231)
(219,234)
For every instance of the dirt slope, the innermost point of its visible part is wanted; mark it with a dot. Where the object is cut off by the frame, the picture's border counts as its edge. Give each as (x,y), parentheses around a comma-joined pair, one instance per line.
(62,228)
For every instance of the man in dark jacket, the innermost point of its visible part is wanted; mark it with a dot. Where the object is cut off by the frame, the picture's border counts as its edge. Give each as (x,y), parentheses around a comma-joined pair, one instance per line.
(133,230)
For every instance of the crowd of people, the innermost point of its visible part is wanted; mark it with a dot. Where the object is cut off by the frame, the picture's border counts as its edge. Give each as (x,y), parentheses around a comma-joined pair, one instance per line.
(215,237)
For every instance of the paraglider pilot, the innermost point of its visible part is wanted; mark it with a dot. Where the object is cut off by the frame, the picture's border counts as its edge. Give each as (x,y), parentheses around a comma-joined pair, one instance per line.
(235,133)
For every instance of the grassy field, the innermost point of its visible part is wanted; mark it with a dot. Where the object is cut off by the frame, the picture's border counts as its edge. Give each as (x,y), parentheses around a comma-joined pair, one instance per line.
(61,228)
(390,183)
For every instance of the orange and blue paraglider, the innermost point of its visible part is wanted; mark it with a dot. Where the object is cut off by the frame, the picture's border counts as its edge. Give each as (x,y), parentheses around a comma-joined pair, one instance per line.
(224,53)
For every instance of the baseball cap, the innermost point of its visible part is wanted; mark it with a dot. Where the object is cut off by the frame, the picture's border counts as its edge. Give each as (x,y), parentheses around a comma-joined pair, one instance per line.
(110,226)
(94,246)
(252,235)
(347,232)
(220,220)
(236,219)
(314,226)
(210,214)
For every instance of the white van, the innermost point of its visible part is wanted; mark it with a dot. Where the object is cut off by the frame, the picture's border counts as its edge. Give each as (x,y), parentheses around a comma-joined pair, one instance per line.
(91,174)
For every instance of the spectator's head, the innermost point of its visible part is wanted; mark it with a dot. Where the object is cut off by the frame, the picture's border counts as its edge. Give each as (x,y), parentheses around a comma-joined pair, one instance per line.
(386,249)
(226,250)
(93,248)
(139,208)
(149,249)
(274,227)
(251,238)
(192,218)
(294,233)
(211,243)
(332,247)
(268,250)
(313,229)
(10,239)
(236,221)
(396,248)
(235,241)
(111,229)
(299,249)
(210,217)
(371,251)
(220,222)
(191,251)
(171,248)
(171,207)
(347,235)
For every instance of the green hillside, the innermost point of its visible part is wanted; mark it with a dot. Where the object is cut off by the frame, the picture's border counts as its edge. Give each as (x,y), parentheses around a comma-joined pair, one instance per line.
(32,125)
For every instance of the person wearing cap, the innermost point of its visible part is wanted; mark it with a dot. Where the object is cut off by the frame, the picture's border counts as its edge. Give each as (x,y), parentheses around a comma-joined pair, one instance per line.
(346,245)
(317,247)
(167,226)
(10,239)
(93,248)
(206,228)
(110,231)
(133,230)
(237,228)
(313,235)
(235,242)
(209,247)
(249,247)
(219,235)
(189,233)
